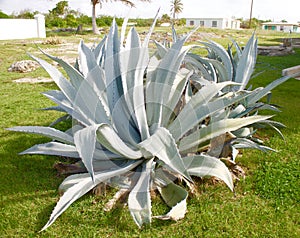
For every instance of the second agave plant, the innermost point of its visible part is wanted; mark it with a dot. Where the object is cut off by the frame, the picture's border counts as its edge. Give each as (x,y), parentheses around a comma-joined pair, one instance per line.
(134,126)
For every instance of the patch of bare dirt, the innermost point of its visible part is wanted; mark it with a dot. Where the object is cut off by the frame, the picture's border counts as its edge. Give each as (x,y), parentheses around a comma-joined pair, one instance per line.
(34,80)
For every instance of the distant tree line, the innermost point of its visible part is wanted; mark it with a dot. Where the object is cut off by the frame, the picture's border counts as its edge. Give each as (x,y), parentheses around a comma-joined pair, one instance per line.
(62,16)
(255,23)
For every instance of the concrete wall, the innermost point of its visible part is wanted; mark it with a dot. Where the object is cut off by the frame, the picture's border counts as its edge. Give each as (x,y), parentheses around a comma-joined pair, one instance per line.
(22,28)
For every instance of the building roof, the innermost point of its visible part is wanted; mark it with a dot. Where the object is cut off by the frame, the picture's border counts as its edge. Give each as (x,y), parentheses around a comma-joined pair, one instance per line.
(280,24)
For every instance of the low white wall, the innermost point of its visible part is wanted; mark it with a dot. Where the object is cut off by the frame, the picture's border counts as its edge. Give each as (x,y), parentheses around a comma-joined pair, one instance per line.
(22,28)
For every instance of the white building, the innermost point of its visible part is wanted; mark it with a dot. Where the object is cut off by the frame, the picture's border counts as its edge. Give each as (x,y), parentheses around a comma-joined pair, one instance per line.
(220,23)
(281,26)
(11,29)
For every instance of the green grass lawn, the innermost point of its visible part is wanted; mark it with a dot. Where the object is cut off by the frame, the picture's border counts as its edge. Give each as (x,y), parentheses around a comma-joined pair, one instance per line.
(265,203)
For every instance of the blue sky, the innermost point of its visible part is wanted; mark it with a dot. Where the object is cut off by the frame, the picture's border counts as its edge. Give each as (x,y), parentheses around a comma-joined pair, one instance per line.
(276,10)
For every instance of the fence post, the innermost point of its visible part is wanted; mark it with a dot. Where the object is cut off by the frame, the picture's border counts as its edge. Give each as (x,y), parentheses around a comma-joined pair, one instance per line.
(41,30)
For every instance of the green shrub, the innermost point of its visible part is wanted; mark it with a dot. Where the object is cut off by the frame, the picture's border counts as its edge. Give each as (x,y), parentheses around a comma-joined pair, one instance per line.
(3,15)
(71,21)
(84,20)
(53,21)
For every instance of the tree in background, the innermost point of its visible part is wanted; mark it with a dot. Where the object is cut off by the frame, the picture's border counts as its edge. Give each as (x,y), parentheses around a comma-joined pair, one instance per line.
(3,15)
(62,16)
(61,9)
(100,2)
(176,8)
(165,18)
(25,14)
(255,23)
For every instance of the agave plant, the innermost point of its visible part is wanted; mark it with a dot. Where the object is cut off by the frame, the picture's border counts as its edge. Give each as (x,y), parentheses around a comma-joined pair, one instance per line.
(221,65)
(239,67)
(128,128)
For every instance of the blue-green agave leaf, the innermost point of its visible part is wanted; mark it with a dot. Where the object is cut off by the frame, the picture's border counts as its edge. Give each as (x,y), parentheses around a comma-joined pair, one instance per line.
(204,165)
(123,31)
(54,108)
(244,143)
(109,164)
(269,107)
(175,94)
(111,140)
(238,49)
(72,180)
(147,38)
(273,125)
(215,129)
(220,70)
(60,119)
(173,195)
(258,94)
(112,67)
(161,50)
(96,79)
(188,93)
(202,70)
(117,103)
(74,75)
(85,142)
(65,86)
(53,148)
(82,187)
(135,59)
(139,200)
(161,82)
(87,60)
(199,107)
(123,122)
(236,57)
(45,131)
(62,101)
(99,51)
(222,53)
(162,145)
(88,102)
(174,34)
(245,66)
(199,63)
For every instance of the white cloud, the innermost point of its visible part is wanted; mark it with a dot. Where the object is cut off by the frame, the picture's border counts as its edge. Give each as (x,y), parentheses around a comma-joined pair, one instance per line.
(267,9)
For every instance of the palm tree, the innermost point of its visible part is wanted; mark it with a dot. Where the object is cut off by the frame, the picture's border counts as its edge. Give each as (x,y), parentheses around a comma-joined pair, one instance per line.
(100,2)
(176,7)
(251,14)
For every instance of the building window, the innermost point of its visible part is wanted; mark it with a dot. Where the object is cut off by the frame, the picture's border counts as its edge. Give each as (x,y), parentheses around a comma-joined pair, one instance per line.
(201,23)
(214,24)
(192,23)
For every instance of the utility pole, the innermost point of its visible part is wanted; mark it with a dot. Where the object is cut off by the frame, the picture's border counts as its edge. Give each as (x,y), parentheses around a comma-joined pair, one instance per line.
(251,13)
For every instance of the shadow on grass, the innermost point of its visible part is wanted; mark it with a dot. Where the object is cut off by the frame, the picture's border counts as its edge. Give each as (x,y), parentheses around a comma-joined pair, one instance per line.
(24,174)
